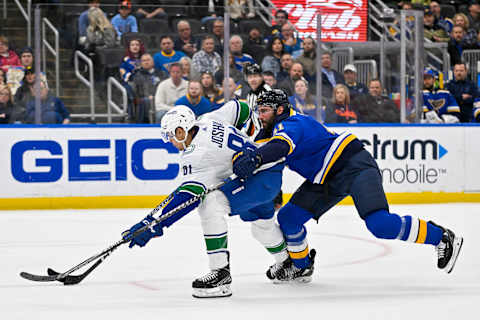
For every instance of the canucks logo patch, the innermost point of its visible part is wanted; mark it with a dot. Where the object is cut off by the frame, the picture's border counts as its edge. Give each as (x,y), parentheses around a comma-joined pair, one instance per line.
(437,104)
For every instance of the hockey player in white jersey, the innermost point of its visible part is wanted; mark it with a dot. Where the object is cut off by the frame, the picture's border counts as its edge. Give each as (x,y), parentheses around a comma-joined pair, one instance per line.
(207,147)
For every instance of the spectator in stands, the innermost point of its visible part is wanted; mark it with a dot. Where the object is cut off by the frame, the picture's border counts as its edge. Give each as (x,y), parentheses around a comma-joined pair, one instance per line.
(457,44)
(339,110)
(207,60)
(144,9)
(330,77)
(194,99)
(188,71)
(433,31)
(169,90)
(281,18)
(236,74)
(470,34)
(233,93)
(209,89)
(241,9)
(25,92)
(15,75)
(236,50)
(217,30)
(269,79)
(124,22)
(53,110)
(2,77)
(8,58)
(185,42)
(254,40)
(9,112)
(302,101)
(83,21)
(444,22)
(144,86)
(464,91)
(274,52)
(474,15)
(166,55)
(308,57)
(132,61)
(288,84)
(286,62)
(292,44)
(100,32)
(355,88)
(375,108)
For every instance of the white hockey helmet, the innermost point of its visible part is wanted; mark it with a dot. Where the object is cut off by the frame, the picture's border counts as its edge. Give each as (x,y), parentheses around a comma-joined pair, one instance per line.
(178,117)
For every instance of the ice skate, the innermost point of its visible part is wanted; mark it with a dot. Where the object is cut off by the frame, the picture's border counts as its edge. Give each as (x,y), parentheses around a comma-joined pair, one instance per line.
(448,249)
(273,269)
(214,284)
(288,272)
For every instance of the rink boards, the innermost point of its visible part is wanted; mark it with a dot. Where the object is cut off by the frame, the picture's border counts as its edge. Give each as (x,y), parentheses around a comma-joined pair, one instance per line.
(128,166)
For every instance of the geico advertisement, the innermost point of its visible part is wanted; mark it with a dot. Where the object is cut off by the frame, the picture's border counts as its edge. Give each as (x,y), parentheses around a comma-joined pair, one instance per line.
(415,159)
(86,161)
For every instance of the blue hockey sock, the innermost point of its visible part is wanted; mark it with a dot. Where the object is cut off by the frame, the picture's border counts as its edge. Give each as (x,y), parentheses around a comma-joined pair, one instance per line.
(385,225)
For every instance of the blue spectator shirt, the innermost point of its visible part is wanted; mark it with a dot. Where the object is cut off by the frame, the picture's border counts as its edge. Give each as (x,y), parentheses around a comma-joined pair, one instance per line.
(162,60)
(201,106)
(121,25)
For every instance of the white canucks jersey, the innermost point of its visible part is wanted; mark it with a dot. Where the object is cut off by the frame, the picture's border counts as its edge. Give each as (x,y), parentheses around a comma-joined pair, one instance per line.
(208,159)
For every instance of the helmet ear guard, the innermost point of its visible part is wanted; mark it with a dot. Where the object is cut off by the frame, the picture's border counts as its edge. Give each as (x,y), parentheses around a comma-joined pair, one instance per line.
(178,117)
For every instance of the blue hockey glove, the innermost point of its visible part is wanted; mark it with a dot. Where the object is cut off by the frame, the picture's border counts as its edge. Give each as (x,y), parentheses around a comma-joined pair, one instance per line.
(245,162)
(142,239)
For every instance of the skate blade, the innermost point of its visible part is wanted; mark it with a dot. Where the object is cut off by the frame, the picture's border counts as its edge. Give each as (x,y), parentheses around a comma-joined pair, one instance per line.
(218,292)
(300,280)
(457,246)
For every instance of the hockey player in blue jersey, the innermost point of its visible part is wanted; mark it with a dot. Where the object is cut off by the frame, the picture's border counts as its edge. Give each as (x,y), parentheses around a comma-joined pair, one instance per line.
(334,166)
(439,106)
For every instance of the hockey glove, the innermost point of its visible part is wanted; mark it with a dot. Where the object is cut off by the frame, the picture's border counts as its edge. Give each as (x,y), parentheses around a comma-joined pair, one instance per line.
(432,117)
(142,239)
(245,162)
(448,118)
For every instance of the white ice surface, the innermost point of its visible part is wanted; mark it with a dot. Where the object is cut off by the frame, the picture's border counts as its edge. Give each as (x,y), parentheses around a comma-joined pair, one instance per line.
(356,276)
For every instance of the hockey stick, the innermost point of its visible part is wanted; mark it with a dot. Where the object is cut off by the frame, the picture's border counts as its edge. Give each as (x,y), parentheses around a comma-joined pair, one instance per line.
(68,279)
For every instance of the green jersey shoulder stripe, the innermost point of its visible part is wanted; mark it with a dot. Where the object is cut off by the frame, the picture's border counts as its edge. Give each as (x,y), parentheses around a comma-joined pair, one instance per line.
(243,113)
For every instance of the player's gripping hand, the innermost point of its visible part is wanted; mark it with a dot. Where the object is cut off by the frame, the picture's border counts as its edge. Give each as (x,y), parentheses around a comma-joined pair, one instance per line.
(245,162)
(142,239)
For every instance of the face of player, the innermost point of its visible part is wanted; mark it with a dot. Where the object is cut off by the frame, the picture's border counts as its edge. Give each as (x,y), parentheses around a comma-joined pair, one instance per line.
(460,72)
(254,80)
(134,46)
(375,89)
(428,81)
(266,116)
(180,136)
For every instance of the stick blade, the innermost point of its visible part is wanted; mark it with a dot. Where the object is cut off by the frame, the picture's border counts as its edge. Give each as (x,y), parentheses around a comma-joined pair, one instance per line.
(37,278)
(68,280)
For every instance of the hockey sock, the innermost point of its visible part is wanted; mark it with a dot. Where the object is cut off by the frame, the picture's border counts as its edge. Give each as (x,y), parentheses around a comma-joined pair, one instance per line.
(267,232)
(385,225)
(291,219)
(217,250)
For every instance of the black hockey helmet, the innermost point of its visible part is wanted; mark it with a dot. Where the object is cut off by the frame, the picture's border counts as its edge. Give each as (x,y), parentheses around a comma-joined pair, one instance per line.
(274,99)
(251,68)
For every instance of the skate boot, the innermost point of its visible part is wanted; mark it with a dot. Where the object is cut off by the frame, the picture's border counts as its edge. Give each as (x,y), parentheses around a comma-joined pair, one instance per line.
(448,249)
(289,272)
(214,284)
(273,269)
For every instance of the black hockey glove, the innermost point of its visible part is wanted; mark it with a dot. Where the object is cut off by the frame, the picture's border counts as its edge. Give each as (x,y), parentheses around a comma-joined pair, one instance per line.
(245,162)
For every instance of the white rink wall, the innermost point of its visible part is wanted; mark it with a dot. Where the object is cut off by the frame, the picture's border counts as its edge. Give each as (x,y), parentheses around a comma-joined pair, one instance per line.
(129,165)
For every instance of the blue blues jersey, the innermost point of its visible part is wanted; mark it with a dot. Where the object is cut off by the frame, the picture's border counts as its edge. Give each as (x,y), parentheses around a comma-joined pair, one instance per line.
(313,149)
(440,101)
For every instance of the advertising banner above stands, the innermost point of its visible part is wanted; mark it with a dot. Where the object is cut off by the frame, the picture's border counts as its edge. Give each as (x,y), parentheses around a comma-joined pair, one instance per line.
(342,20)
(121,161)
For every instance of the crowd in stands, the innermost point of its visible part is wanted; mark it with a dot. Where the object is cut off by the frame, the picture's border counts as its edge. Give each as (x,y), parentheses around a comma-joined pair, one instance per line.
(188,67)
